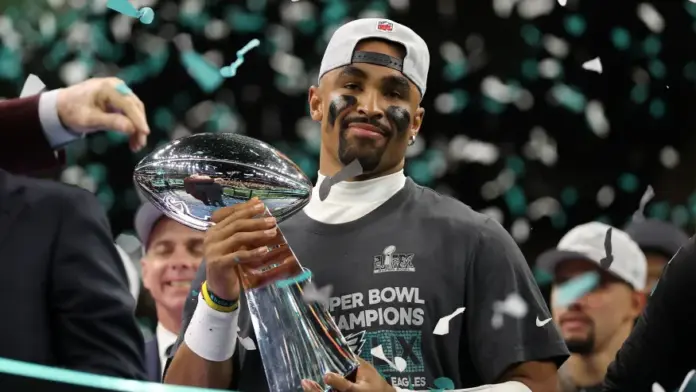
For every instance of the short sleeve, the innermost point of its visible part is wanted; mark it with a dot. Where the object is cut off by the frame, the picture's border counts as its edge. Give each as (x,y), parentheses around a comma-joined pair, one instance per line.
(497,272)
(659,349)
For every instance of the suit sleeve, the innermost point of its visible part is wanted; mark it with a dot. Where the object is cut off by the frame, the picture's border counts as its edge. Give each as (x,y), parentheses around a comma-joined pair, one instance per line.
(497,272)
(94,313)
(659,348)
(23,144)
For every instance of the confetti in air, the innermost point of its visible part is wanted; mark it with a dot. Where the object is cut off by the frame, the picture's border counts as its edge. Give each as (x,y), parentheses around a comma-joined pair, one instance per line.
(206,75)
(639,215)
(247,342)
(310,294)
(231,70)
(305,275)
(594,65)
(606,261)
(657,388)
(32,86)
(399,363)
(353,169)
(687,381)
(576,288)
(513,306)
(442,326)
(146,15)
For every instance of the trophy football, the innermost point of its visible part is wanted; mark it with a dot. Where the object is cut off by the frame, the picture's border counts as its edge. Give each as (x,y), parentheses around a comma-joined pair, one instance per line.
(188,179)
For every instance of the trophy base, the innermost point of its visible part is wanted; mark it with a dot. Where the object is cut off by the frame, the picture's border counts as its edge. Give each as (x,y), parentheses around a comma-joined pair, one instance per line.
(297,340)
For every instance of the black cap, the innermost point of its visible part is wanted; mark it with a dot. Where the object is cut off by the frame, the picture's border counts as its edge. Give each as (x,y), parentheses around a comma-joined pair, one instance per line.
(657,236)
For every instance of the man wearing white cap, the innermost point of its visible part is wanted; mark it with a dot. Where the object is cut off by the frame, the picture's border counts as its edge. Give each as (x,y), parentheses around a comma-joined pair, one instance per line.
(371,84)
(172,253)
(595,321)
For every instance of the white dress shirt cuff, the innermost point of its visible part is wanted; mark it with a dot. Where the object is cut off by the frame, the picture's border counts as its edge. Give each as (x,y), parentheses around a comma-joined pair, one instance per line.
(56,134)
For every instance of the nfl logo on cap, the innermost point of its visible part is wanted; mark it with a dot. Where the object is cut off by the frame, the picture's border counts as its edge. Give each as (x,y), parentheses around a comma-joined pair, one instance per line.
(385,26)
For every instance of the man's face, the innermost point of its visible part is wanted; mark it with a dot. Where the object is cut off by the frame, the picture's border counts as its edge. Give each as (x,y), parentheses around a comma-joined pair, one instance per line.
(588,324)
(367,112)
(656,262)
(173,256)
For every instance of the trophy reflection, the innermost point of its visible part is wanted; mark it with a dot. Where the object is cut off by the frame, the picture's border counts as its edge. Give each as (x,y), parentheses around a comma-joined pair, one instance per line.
(190,178)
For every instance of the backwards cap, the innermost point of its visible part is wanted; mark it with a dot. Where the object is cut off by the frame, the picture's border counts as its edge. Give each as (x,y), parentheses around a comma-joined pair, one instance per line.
(341,49)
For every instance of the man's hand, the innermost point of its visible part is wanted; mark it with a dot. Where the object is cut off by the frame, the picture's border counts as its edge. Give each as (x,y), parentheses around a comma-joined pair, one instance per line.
(95,105)
(368,379)
(237,238)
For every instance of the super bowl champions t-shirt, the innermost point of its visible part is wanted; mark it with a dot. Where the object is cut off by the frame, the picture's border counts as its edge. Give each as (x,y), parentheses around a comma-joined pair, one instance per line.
(396,272)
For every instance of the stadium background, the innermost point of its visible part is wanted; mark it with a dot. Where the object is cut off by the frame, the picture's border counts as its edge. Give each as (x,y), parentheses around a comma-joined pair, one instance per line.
(514,126)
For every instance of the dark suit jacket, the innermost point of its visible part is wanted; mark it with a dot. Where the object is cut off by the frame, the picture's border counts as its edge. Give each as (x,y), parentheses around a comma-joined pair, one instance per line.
(153,368)
(65,298)
(23,145)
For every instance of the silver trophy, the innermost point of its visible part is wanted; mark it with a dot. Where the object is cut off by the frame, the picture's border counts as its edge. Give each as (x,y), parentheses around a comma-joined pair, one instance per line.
(188,179)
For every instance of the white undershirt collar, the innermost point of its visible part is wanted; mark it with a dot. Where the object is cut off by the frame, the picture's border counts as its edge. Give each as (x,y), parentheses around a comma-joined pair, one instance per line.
(349,201)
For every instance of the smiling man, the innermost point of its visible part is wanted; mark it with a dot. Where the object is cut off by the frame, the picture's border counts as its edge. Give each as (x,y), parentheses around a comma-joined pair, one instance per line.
(595,325)
(173,252)
(399,256)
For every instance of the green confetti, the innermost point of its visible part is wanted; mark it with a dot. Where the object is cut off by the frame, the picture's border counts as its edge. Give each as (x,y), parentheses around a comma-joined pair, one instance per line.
(575,25)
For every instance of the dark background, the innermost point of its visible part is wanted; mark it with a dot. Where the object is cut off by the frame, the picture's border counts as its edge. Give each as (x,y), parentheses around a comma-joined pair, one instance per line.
(258,103)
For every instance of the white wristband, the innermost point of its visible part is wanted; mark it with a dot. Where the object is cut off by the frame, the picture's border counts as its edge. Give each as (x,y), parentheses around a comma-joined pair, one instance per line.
(212,335)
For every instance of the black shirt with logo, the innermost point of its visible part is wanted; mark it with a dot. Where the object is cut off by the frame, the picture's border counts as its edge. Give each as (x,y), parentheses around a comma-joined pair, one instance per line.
(395,272)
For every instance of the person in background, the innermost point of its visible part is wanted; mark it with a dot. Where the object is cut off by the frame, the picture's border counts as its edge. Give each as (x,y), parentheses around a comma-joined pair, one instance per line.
(659,241)
(34,127)
(595,325)
(173,253)
(660,349)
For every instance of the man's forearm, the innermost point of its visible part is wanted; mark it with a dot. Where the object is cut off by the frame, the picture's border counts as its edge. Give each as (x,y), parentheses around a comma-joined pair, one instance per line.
(187,368)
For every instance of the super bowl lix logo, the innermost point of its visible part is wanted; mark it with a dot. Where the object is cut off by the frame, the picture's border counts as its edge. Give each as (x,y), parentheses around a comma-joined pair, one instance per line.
(390,261)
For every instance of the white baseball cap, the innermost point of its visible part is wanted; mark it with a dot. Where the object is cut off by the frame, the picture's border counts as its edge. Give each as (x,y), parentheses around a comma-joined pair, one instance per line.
(341,49)
(587,242)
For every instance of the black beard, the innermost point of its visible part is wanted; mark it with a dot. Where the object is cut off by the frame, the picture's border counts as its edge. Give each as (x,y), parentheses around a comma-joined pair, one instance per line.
(581,346)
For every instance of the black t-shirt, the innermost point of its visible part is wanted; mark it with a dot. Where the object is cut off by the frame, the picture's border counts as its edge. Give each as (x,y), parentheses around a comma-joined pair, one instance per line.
(395,272)
(662,345)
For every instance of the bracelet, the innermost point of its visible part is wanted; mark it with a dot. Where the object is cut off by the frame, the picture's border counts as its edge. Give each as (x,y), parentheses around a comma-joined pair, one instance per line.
(217,303)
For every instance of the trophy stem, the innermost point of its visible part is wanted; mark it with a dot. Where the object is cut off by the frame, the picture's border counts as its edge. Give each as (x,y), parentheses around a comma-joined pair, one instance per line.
(297,340)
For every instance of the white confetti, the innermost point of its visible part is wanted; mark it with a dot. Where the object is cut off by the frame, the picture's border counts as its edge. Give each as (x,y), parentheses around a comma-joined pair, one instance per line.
(657,388)
(686,381)
(513,306)
(639,215)
(32,86)
(652,19)
(594,65)
(399,363)
(311,294)
(442,326)
(497,321)
(247,342)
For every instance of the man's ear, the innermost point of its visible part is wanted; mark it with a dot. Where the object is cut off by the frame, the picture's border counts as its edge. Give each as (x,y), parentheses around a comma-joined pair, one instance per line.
(315,104)
(639,300)
(417,121)
(144,271)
